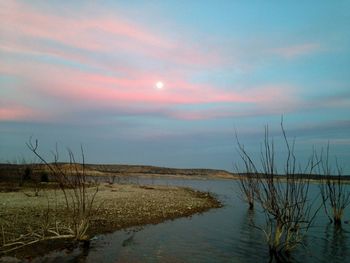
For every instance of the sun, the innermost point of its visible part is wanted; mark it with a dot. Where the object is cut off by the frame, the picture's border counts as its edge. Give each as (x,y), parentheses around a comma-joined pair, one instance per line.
(159,85)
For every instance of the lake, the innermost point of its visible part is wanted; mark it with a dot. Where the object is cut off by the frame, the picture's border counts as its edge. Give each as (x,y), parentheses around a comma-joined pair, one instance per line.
(219,235)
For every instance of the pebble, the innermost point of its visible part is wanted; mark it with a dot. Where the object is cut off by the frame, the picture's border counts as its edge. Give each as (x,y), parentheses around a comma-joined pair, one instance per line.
(9,260)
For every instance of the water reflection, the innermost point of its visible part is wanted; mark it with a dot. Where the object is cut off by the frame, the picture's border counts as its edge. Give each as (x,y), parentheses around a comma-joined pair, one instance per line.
(336,241)
(251,239)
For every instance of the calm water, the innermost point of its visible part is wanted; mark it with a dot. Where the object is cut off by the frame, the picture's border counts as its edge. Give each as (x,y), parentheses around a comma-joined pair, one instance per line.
(220,235)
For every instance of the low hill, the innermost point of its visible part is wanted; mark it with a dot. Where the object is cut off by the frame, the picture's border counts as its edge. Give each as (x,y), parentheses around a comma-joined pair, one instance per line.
(123,169)
(13,171)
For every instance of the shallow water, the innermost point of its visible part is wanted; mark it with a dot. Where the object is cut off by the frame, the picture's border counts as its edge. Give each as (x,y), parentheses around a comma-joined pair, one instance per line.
(220,235)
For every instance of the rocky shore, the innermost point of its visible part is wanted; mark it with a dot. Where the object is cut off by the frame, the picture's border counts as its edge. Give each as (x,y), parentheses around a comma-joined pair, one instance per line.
(116,206)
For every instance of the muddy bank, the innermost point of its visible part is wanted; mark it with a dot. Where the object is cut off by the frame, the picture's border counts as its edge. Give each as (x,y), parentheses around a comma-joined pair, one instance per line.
(115,207)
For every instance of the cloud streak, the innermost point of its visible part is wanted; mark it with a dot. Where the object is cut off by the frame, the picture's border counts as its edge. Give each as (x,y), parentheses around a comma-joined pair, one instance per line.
(111,63)
(99,34)
(294,51)
(18,113)
(85,72)
(91,90)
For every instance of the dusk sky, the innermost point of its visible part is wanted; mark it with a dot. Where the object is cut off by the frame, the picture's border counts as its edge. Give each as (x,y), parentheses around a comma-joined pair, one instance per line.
(84,72)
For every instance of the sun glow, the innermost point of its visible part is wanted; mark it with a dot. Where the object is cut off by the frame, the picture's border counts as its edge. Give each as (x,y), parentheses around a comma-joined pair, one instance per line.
(159,85)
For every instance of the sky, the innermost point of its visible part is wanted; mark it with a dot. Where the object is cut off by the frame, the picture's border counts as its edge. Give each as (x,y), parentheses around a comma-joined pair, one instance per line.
(85,73)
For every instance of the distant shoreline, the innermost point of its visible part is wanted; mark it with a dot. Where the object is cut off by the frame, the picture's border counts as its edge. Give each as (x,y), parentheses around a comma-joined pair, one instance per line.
(8,171)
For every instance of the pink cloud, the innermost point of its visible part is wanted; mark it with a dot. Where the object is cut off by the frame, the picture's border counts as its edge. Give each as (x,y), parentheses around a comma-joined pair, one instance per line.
(18,112)
(233,111)
(98,89)
(128,87)
(85,90)
(23,22)
(297,50)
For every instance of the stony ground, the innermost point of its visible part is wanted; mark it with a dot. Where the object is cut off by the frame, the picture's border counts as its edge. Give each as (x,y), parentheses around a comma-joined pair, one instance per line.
(115,207)
(123,206)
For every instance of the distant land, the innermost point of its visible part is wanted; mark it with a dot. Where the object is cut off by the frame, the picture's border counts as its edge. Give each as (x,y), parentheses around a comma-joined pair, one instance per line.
(8,171)
(155,170)
(11,170)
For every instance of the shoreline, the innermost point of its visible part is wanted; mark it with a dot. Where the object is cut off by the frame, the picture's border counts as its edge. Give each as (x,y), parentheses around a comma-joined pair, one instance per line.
(117,207)
(15,172)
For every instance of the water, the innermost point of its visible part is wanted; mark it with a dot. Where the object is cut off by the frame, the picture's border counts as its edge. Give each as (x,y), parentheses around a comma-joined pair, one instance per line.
(220,235)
